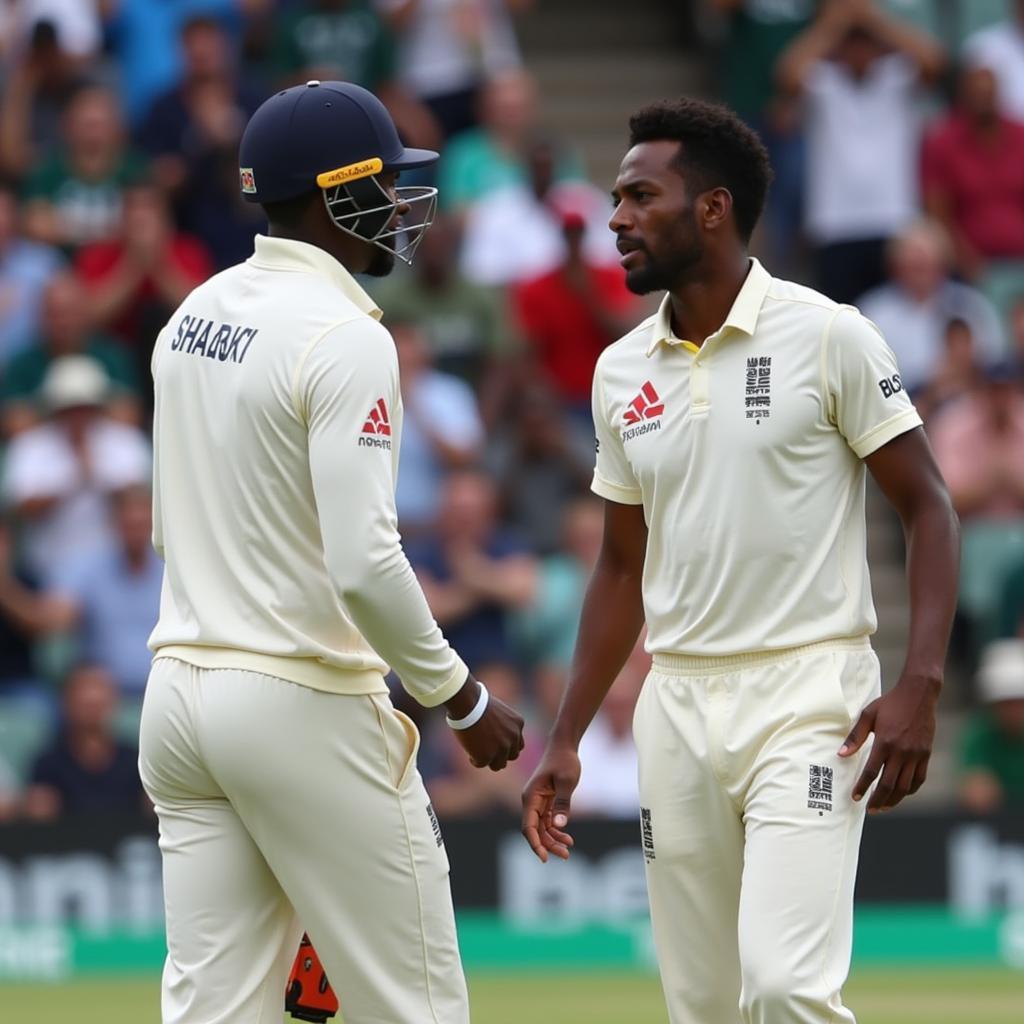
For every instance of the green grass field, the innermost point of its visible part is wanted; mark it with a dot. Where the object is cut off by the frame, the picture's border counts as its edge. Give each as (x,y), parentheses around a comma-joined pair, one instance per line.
(946,996)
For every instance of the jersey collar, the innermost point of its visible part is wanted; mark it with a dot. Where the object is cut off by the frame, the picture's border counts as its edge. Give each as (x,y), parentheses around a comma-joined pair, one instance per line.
(742,316)
(301,257)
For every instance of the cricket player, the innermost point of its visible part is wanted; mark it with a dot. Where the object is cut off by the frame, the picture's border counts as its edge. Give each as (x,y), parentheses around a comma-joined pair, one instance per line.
(284,780)
(734,428)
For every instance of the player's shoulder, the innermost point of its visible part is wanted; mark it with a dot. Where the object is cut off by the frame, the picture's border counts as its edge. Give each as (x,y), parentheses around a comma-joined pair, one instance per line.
(633,344)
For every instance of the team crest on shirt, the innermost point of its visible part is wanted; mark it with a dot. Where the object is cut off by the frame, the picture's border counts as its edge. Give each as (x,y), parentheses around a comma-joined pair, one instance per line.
(376,432)
(247,180)
(758,397)
(643,414)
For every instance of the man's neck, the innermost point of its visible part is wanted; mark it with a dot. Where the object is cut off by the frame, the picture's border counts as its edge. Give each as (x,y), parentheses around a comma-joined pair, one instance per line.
(700,306)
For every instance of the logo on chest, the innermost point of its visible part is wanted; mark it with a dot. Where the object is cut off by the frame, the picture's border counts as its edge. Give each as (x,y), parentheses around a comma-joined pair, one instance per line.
(643,414)
(758,396)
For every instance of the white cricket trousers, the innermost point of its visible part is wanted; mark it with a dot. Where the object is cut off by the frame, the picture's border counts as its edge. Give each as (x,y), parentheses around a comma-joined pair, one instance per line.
(749,831)
(285,809)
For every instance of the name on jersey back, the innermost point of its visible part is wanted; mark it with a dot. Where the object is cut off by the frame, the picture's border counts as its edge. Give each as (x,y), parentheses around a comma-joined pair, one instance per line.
(225,342)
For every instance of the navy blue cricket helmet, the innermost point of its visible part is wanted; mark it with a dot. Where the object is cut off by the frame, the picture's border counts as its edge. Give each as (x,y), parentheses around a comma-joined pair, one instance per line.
(335,137)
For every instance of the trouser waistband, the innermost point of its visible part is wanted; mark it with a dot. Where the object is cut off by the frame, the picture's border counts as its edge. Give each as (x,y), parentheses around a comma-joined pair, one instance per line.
(700,665)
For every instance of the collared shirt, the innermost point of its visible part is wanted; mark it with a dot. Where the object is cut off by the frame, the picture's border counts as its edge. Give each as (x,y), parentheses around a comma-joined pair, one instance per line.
(277,424)
(746,454)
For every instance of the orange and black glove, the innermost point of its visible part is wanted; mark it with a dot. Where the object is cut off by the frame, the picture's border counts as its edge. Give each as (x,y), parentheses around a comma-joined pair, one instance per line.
(309,995)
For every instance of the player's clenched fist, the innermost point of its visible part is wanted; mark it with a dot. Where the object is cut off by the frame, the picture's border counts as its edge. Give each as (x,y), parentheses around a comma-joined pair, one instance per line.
(489,730)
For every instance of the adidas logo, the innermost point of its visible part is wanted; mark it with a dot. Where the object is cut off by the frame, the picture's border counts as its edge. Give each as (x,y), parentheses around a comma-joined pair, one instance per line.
(376,432)
(642,413)
(645,406)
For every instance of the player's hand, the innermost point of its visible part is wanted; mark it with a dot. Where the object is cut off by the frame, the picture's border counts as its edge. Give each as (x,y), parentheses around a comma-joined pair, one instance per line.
(496,739)
(903,722)
(546,801)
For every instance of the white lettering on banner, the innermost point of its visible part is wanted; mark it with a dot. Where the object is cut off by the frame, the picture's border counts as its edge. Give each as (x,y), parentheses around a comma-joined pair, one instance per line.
(95,891)
(39,952)
(984,876)
(1011,940)
(612,888)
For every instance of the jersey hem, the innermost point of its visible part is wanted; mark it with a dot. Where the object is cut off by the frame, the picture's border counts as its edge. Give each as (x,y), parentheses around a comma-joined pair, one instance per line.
(310,672)
(885,432)
(613,492)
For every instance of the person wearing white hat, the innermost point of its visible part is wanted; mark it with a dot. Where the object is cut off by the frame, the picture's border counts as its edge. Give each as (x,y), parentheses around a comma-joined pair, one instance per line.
(58,476)
(993,743)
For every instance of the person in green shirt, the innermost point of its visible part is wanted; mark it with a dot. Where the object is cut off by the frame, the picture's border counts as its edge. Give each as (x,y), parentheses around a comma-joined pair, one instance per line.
(992,750)
(73,195)
(65,331)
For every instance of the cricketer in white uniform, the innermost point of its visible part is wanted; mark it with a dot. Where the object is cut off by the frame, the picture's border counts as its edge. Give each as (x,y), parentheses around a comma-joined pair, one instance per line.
(284,780)
(733,429)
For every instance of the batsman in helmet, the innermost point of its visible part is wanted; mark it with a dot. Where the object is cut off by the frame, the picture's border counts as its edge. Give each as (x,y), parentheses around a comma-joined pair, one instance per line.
(284,780)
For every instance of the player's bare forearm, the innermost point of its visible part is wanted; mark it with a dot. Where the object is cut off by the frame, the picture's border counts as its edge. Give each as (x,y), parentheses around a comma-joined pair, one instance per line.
(909,477)
(609,625)
(610,622)
(903,720)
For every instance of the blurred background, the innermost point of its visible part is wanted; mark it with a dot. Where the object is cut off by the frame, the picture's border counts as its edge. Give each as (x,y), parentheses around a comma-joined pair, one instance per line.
(896,130)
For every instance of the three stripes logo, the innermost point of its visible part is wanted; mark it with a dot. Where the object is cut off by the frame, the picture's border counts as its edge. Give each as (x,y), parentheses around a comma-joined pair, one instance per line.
(376,432)
(642,414)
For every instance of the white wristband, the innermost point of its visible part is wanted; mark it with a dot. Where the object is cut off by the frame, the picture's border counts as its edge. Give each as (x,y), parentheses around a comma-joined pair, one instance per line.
(475,715)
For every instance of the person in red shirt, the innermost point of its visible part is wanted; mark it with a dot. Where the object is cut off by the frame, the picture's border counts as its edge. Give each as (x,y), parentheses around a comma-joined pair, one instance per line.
(973,176)
(136,279)
(571,314)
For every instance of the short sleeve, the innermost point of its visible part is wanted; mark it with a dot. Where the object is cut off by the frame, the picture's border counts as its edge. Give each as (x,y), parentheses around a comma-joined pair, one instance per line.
(613,476)
(865,396)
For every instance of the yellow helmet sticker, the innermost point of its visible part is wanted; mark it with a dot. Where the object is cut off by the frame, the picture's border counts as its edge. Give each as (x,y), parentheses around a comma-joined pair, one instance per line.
(362,169)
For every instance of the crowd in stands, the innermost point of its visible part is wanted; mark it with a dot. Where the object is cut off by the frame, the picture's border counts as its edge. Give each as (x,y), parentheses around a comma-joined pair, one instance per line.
(897,139)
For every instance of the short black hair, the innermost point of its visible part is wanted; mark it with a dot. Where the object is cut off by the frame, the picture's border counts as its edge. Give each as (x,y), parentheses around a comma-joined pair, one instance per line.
(717,150)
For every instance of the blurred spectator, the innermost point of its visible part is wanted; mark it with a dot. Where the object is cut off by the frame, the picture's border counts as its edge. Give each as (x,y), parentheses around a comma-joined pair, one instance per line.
(473,572)
(914,308)
(545,631)
(114,594)
(979,444)
(192,134)
(75,24)
(38,87)
(448,48)
(993,744)
(456,788)
(757,32)
(494,154)
(58,476)
(1000,48)
(608,781)
(144,36)
(543,460)
(25,269)
(973,172)
(137,278)
(571,314)
(956,374)
(66,331)
(1011,602)
(1016,319)
(441,429)
(349,41)
(27,613)
(515,232)
(858,71)
(86,770)
(465,324)
(74,194)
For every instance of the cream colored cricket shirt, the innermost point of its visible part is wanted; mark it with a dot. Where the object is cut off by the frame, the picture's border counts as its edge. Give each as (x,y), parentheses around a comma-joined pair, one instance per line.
(746,455)
(276,435)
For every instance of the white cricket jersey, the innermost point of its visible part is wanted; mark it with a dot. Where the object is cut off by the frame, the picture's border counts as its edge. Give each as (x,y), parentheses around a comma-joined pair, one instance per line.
(276,435)
(746,455)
